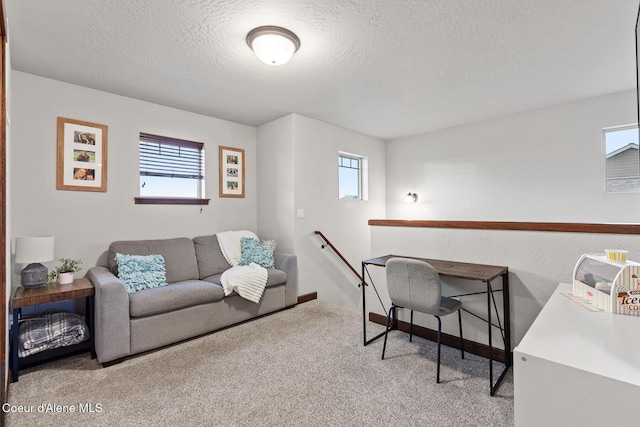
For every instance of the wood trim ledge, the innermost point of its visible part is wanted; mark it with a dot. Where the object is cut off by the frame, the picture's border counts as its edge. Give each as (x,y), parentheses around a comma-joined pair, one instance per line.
(559,227)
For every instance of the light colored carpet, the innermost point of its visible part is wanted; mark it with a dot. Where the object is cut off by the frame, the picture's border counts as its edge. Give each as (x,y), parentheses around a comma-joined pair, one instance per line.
(303,366)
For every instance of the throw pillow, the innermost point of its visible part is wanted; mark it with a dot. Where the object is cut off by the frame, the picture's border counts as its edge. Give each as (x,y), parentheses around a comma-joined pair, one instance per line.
(139,272)
(260,252)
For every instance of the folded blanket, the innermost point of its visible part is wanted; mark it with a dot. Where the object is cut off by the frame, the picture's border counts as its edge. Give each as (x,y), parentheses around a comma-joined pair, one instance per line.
(229,242)
(50,331)
(249,281)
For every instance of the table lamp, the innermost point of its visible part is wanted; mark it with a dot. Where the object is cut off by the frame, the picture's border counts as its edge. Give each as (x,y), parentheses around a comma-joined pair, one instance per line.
(33,251)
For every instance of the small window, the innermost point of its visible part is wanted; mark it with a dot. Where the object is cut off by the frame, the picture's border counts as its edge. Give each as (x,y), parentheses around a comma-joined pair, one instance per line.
(171,171)
(622,160)
(351,176)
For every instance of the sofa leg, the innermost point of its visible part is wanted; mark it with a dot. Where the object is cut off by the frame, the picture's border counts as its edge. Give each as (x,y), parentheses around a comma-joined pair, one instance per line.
(112,362)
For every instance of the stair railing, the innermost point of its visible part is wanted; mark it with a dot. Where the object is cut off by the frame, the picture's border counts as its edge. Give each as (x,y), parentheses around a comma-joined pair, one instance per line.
(337,252)
(353,270)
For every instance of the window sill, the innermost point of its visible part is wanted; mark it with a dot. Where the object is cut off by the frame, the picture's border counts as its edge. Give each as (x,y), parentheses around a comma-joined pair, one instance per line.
(170,201)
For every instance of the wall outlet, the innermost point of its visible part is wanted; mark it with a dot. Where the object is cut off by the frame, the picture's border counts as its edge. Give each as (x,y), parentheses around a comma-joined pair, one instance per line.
(300,214)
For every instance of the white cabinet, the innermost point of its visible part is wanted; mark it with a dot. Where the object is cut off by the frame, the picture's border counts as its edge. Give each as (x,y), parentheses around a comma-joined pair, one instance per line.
(577,366)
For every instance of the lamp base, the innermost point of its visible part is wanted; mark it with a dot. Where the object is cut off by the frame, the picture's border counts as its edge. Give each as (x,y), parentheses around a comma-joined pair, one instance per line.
(34,276)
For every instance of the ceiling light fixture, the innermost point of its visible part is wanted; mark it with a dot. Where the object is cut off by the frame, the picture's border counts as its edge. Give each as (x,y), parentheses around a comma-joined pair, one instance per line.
(273,45)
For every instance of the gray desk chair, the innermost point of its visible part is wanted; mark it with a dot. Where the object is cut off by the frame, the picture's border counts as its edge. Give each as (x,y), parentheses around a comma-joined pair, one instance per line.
(415,285)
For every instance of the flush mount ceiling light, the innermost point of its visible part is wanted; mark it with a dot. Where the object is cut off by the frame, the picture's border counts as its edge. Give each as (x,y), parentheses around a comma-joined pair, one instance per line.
(273,45)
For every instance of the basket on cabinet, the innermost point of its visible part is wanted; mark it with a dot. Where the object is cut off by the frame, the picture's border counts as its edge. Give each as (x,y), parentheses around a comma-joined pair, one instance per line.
(612,286)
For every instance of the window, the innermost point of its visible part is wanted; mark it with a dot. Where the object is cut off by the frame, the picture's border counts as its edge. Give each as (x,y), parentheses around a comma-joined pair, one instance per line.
(171,171)
(622,161)
(352,176)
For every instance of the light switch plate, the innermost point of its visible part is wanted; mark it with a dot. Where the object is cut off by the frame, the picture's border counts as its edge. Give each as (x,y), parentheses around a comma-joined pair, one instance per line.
(300,214)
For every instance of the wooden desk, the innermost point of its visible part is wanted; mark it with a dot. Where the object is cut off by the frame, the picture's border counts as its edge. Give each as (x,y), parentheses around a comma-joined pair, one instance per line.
(51,292)
(461,270)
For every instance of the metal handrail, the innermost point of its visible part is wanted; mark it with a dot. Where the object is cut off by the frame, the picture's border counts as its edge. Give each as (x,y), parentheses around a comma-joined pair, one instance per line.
(328,243)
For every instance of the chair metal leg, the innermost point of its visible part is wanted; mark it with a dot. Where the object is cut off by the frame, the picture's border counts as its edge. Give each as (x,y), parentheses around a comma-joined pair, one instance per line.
(439,329)
(461,339)
(411,328)
(386,332)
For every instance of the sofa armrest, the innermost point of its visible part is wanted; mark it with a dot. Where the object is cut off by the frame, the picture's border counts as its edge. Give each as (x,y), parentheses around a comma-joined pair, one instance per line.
(112,324)
(289,264)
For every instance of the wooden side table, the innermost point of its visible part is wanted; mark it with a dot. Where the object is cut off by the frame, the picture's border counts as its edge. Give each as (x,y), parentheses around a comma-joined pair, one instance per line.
(51,292)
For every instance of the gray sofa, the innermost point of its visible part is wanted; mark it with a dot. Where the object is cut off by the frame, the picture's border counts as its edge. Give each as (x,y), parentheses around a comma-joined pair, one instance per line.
(192,304)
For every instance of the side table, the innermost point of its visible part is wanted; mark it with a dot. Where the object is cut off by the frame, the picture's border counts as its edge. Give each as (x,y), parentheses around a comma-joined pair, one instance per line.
(51,292)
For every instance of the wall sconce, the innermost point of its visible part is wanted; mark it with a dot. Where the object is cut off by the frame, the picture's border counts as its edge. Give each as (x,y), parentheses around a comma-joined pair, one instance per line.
(273,45)
(411,198)
(33,251)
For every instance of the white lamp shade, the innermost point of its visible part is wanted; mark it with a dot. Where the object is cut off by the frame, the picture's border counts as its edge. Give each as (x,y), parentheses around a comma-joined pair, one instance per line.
(273,45)
(273,49)
(34,249)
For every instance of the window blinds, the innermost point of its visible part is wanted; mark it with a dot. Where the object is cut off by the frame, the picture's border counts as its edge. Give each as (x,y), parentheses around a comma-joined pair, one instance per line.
(170,157)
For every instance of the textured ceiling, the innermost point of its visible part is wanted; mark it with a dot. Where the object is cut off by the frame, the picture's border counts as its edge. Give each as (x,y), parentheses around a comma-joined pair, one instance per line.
(386,68)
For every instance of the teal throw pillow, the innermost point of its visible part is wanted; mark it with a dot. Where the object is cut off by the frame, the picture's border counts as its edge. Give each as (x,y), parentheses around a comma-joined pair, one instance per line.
(260,252)
(139,272)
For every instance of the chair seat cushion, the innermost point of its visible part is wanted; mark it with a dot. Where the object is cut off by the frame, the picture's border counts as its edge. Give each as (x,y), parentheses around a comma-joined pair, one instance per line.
(173,297)
(449,305)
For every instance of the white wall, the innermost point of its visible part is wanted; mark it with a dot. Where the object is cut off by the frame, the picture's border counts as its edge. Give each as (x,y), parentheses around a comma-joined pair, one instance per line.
(312,164)
(84,223)
(276,154)
(544,165)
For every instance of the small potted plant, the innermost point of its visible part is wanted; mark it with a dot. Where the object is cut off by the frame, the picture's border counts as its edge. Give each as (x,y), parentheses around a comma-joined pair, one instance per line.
(64,272)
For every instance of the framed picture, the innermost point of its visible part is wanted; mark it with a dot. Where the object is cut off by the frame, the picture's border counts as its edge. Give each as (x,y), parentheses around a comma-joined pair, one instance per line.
(231,172)
(82,156)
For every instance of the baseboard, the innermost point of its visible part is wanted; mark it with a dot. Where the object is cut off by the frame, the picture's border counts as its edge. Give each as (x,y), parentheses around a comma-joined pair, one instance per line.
(446,339)
(307,297)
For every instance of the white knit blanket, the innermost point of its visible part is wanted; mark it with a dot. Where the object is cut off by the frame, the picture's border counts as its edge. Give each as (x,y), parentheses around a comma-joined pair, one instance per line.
(249,281)
(229,242)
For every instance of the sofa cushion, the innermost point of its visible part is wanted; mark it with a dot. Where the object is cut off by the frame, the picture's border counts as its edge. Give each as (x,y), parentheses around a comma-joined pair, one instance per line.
(173,297)
(179,256)
(139,272)
(260,252)
(209,256)
(275,277)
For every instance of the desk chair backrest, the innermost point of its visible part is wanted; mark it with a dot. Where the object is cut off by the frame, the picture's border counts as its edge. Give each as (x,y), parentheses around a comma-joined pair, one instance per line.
(414,284)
